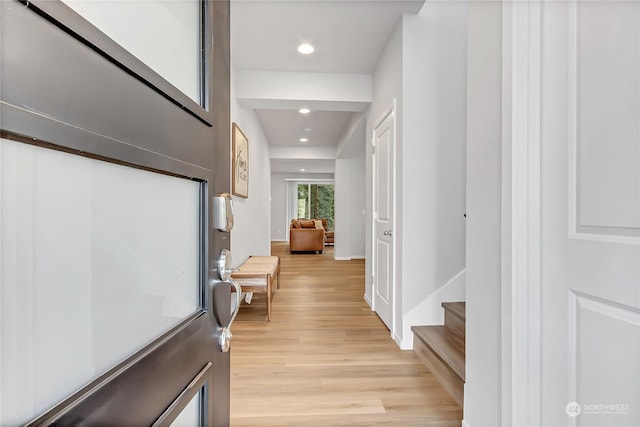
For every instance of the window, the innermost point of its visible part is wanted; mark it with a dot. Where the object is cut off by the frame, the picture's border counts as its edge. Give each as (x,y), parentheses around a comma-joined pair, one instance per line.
(165,35)
(316,201)
(102,258)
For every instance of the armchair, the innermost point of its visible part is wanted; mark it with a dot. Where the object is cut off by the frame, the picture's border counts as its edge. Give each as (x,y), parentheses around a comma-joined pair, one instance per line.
(329,235)
(304,236)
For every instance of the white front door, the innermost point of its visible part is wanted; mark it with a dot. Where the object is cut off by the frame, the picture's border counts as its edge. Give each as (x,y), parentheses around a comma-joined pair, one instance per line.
(590,214)
(383,142)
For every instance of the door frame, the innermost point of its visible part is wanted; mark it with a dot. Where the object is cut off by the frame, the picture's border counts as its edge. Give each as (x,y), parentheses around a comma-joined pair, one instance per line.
(291,188)
(521,207)
(390,111)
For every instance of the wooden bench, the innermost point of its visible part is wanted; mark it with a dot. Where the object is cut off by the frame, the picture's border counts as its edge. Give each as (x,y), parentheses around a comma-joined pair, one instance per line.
(258,274)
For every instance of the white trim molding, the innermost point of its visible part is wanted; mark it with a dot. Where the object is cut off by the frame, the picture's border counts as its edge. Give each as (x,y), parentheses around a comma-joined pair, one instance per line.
(368,301)
(525,221)
(506,209)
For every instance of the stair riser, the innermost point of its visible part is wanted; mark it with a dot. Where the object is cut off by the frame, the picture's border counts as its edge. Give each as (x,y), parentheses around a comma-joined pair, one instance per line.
(451,382)
(454,324)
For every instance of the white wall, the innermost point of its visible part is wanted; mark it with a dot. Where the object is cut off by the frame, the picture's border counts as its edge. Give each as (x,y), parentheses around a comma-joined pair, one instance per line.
(350,193)
(279,223)
(358,206)
(433,159)
(387,87)
(298,152)
(342,193)
(252,221)
(349,204)
(424,69)
(321,91)
(482,396)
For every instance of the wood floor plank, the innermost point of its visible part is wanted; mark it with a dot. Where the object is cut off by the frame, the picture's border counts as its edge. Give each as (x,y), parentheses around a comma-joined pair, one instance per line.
(325,359)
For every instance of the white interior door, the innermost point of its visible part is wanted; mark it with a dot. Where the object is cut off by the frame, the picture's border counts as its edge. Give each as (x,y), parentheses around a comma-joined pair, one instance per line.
(590,214)
(383,259)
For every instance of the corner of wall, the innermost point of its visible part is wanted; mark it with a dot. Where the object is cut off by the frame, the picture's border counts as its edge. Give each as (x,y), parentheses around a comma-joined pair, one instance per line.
(429,311)
(405,342)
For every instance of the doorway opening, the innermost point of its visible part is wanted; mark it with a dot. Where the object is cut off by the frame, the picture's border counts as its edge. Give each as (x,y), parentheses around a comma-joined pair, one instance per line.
(316,201)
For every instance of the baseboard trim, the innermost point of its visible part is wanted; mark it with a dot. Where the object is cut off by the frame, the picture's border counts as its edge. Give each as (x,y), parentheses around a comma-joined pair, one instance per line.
(406,344)
(368,301)
(279,240)
(398,339)
(358,257)
(342,258)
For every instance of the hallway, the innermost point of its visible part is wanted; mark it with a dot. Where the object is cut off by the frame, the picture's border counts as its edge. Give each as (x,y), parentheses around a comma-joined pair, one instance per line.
(326,359)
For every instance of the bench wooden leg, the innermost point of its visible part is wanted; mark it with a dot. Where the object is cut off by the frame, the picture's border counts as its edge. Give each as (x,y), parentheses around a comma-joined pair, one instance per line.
(268,299)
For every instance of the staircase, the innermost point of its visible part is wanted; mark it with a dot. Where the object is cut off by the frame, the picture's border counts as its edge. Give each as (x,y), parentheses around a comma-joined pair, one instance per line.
(441,348)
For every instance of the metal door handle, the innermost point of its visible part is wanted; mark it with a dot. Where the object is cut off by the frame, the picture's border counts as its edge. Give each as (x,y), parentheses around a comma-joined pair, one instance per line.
(387,233)
(224,340)
(224,271)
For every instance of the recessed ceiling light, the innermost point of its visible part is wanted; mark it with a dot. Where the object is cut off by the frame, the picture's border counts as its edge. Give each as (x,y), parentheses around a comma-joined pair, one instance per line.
(302,169)
(304,140)
(306,49)
(304,111)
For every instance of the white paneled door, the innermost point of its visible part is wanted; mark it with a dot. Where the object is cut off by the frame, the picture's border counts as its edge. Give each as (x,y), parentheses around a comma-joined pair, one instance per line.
(383,254)
(590,213)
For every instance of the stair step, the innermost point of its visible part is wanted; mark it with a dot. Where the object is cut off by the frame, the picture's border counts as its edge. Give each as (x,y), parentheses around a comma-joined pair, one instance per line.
(456,308)
(443,353)
(446,346)
(455,317)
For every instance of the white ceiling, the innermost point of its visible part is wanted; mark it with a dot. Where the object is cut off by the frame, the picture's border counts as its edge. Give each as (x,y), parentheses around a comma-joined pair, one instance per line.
(286,127)
(348,35)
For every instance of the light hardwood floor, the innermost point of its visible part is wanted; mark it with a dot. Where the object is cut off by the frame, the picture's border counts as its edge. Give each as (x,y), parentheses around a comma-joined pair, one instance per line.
(325,359)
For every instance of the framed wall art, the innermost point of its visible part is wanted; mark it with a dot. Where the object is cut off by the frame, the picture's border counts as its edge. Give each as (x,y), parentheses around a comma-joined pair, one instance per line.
(240,163)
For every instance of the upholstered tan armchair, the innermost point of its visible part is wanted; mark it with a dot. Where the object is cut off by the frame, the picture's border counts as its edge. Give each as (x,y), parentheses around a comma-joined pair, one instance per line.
(329,235)
(304,236)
